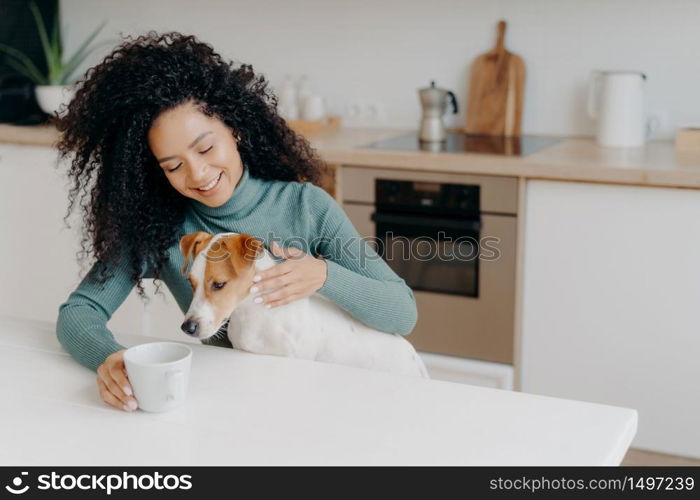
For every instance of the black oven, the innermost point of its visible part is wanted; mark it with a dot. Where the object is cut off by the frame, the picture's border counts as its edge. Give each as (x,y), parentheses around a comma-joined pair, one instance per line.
(429,234)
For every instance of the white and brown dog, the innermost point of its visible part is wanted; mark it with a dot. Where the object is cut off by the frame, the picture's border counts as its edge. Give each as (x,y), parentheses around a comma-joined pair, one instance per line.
(311,328)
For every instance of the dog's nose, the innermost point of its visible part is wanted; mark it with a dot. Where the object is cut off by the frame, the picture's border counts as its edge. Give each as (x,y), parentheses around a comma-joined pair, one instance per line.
(189,327)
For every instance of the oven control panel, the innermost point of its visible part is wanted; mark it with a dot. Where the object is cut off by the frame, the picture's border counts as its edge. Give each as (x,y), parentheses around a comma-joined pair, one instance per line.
(428,197)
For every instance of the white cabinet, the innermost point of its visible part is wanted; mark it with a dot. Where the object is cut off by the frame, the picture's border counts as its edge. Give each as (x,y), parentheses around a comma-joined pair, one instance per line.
(611,303)
(38,265)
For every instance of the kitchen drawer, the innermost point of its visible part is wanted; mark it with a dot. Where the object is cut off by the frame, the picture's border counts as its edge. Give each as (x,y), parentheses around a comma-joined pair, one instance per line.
(498,194)
(468,371)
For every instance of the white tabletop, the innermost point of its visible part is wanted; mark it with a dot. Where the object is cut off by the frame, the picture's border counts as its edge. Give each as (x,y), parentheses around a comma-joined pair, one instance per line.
(252,409)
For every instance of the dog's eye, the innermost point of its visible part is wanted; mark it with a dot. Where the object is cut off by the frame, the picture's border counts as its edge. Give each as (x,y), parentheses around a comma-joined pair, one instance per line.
(218,285)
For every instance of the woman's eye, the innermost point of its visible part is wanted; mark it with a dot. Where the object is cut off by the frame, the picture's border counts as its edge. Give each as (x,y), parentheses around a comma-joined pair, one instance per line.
(218,285)
(206,150)
(174,168)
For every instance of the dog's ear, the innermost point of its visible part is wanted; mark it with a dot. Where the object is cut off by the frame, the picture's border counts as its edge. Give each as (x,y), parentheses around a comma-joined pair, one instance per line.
(243,249)
(253,247)
(191,244)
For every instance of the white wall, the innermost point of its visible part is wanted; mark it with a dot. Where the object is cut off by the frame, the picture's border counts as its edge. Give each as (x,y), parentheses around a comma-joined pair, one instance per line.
(382,51)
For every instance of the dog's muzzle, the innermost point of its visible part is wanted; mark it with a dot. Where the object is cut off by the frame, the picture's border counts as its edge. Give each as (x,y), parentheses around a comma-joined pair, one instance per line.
(190,327)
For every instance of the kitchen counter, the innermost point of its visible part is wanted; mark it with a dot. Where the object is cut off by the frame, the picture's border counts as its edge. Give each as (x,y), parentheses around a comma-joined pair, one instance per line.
(37,135)
(571,159)
(251,409)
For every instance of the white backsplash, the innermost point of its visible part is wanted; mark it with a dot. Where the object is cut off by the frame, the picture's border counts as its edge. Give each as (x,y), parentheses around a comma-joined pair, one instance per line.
(369,57)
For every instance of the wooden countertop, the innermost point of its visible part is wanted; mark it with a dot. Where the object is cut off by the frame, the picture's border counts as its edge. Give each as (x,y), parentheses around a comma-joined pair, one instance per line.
(572,159)
(35,135)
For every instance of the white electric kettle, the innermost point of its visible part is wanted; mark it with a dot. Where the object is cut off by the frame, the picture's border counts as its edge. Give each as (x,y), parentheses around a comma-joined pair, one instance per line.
(616,101)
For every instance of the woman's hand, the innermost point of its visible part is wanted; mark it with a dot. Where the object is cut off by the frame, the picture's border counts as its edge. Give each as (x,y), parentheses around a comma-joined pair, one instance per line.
(113,383)
(299,276)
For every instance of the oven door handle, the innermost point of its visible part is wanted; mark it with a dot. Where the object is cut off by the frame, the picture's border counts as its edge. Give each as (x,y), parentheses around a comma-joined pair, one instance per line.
(473,225)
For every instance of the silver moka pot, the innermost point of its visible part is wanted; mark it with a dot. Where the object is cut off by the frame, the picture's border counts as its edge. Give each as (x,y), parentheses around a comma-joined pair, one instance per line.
(434,102)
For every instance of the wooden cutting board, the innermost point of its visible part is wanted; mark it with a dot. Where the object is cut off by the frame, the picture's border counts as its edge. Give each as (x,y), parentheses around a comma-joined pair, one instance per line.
(495,102)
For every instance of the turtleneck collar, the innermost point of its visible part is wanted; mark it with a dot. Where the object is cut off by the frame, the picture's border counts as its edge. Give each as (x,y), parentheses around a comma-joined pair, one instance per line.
(245,194)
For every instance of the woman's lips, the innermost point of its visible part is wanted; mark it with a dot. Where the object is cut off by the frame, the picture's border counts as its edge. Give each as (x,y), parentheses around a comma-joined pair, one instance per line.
(213,188)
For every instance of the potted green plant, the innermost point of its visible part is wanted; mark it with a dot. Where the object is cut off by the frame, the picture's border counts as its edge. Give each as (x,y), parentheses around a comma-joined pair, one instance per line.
(53,89)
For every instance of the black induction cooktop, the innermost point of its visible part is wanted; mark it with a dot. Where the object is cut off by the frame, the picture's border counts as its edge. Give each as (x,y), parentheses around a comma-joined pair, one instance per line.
(467,143)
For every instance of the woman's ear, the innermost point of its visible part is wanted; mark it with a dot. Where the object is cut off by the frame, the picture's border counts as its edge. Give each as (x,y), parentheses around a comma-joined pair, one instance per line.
(191,244)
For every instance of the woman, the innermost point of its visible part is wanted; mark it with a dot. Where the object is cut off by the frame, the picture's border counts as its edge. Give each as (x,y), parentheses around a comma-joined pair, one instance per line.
(177,140)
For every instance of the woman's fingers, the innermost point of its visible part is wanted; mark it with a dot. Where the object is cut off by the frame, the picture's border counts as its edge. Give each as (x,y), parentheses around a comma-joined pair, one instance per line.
(271,283)
(286,252)
(284,300)
(299,276)
(108,397)
(277,271)
(112,381)
(282,295)
(117,391)
(105,375)
(119,376)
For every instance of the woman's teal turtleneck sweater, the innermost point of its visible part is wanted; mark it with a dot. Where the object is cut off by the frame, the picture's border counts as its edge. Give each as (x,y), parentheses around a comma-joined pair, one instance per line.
(294,214)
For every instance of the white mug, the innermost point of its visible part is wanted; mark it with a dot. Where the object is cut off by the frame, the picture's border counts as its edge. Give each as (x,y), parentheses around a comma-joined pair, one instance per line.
(158,373)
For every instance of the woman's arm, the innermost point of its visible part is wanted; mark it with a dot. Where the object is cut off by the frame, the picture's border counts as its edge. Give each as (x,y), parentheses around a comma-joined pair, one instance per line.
(359,280)
(81,326)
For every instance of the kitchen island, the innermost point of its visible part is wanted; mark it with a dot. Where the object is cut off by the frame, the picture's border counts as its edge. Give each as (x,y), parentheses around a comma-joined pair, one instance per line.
(250,409)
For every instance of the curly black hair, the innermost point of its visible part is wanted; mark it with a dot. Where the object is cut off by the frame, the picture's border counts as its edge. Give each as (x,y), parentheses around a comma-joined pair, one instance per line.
(128,205)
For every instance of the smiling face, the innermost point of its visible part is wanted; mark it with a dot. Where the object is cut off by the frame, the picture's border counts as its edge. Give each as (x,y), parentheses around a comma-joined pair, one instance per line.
(197,153)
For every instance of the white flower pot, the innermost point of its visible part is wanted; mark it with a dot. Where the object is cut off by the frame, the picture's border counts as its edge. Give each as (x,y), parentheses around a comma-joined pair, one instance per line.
(51,97)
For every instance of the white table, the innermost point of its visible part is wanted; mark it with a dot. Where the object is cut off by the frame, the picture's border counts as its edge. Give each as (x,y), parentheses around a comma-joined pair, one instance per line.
(252,409)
